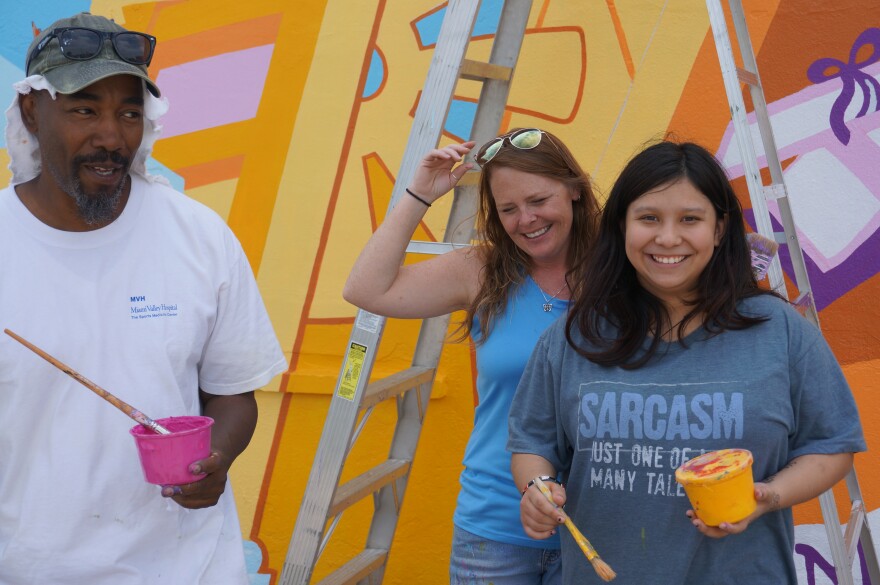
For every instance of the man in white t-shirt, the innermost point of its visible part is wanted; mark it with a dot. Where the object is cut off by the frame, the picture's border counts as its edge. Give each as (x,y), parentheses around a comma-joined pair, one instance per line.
(137,287)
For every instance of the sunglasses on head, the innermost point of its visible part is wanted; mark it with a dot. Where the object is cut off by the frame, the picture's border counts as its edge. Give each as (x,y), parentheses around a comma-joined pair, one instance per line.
(82,44)
(525,139)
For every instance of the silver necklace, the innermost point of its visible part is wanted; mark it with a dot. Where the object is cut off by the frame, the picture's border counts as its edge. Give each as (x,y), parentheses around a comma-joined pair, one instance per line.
(548,302)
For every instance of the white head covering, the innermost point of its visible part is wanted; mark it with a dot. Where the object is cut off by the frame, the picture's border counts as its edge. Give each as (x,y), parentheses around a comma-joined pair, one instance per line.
(24,149)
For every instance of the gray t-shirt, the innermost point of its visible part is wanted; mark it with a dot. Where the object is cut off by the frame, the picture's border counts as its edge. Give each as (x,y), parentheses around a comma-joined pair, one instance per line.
(618,435)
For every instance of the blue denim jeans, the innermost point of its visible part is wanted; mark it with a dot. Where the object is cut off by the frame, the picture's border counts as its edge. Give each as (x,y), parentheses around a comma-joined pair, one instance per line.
(477,561)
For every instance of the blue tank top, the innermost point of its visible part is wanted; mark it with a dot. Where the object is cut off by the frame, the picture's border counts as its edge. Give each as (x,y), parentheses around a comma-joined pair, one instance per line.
(488,502)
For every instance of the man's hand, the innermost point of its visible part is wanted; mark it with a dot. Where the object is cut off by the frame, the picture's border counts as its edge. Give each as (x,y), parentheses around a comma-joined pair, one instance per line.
(235,417)
(206,491)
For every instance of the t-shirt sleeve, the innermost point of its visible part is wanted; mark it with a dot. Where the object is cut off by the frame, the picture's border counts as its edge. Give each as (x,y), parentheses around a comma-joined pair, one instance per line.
(827,420)
(242,353)
(534,425)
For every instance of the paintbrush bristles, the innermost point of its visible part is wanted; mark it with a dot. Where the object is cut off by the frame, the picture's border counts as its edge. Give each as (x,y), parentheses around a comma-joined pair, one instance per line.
(762,250)
(602,569)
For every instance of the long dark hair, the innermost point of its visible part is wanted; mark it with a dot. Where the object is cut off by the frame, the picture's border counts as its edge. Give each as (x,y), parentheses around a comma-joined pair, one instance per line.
(506,266)
(611,291)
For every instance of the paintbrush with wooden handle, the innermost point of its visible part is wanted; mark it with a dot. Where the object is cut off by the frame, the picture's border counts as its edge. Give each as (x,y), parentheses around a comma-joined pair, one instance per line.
(134,413)
(602,569)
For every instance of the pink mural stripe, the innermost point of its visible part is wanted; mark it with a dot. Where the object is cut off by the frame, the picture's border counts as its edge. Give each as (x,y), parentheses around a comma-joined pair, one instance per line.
(230,87)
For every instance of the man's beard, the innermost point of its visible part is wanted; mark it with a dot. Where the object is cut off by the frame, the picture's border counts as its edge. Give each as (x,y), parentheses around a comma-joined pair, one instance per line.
(98,207)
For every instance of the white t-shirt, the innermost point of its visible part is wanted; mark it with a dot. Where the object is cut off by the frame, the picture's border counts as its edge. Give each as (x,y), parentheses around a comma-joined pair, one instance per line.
(151,307)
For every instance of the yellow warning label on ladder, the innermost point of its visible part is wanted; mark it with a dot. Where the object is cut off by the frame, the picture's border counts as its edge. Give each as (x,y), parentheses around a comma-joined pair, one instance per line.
(354,365)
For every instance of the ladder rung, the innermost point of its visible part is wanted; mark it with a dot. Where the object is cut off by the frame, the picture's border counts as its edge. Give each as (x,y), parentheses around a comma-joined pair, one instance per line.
(469,179)
(480,71)
(434,248)
(367,483)
(775,191)
(395,384)
(747,76)
(366,562)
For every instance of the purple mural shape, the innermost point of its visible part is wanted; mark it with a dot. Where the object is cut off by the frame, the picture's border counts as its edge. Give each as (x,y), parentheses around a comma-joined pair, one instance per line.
(850,74)
(814,559)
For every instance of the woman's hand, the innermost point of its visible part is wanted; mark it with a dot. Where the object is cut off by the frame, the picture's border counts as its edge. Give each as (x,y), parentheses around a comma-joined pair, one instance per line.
(437,173)
(539,517)
(802,479)
(767,501)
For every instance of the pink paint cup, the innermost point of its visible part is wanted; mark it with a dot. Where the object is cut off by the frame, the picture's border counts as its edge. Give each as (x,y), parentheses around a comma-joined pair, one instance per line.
(165,459)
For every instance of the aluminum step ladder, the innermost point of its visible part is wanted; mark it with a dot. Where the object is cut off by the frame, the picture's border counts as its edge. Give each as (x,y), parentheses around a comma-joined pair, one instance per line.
(843,545)
(325,500)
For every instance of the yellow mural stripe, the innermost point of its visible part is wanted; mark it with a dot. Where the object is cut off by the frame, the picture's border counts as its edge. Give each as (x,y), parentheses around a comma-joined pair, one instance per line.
(211,171)
(646,104)
(621,39)
(205,146)
(183,19)
(208,43)
(312,177)
(380,183)
(313,174)
(541,46)
(218,196)
(259,183)
(542,14)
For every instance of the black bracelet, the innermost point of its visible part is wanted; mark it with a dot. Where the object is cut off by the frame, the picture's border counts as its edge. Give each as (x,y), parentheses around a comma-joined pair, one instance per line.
(417,197)
(542,478)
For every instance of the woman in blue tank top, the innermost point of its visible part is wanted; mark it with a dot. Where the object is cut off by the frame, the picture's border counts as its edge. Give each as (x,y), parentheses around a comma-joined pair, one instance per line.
(536,223)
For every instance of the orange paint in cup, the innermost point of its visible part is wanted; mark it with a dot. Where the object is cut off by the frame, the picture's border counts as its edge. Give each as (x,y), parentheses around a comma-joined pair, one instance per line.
(719,485)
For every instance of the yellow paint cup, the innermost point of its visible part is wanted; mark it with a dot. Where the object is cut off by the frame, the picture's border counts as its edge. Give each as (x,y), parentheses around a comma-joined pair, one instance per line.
(719,485)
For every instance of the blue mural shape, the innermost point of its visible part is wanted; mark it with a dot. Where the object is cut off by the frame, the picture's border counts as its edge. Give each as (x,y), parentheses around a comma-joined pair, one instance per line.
(154,167)
(9,74)
(253,558)
(17,34)
(375,75)
(460,119)
(18,25)
(486,23)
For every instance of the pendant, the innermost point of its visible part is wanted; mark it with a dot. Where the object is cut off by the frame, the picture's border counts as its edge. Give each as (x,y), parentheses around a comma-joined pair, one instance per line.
(548,307)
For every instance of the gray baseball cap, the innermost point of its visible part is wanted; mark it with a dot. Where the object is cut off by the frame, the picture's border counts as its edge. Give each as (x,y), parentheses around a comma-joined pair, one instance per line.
(68,75)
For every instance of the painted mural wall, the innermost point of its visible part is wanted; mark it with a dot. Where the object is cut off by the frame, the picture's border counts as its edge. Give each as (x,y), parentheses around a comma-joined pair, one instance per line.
(290,120)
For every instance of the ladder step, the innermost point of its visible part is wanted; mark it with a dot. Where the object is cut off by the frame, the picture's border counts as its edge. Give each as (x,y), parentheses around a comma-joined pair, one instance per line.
(367,483)
(365,563)
(433,248)
(481,71)
(747,76)
(775,191)
(469,179)
(396,384)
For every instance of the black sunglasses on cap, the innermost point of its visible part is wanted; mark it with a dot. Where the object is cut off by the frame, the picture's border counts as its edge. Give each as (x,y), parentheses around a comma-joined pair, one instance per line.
(82,44)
